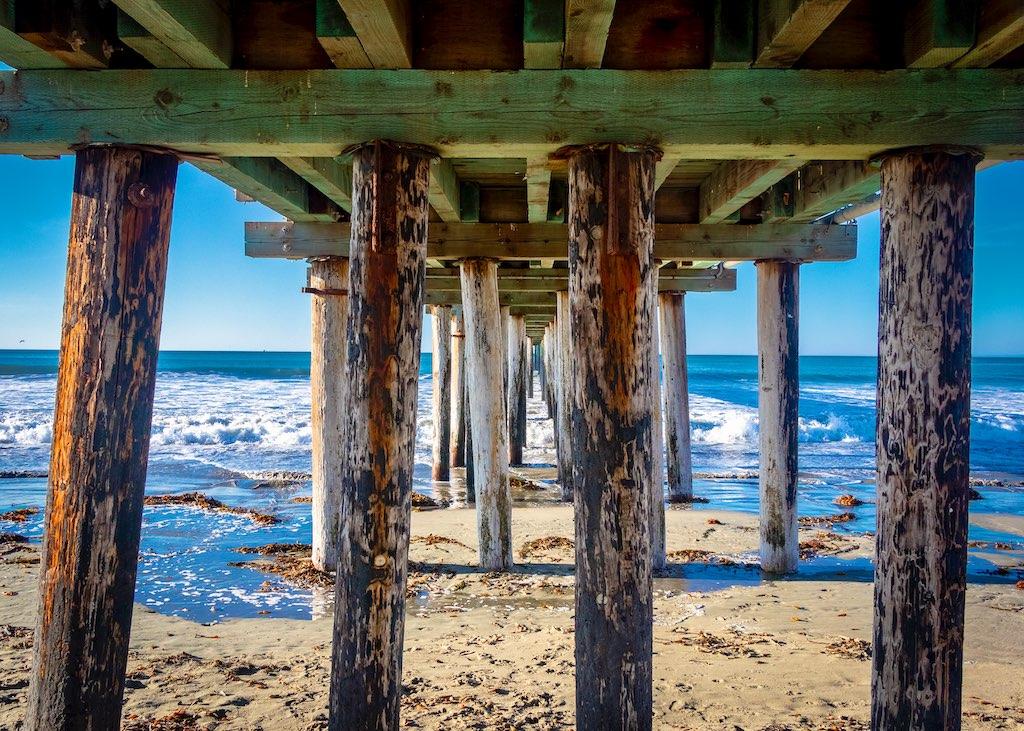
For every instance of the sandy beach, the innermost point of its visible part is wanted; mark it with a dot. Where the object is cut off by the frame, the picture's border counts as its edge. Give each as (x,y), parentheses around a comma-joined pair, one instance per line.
(489,651)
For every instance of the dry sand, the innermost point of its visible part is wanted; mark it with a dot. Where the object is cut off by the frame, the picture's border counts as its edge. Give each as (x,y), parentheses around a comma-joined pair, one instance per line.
(495,651)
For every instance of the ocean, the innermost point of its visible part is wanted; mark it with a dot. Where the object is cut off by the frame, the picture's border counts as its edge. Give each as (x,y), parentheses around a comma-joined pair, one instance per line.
(223,421)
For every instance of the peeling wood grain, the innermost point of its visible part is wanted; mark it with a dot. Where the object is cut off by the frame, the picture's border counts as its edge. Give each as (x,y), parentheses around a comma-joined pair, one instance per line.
(386,272)
(113,302)
(778,417)
(328,377)
(923,437)
(611,294)
(441,399)
(484,357)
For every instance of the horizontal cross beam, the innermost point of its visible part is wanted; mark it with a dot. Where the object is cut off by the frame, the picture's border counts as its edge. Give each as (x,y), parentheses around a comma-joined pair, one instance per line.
(693,114)
(710,280)
(531,241)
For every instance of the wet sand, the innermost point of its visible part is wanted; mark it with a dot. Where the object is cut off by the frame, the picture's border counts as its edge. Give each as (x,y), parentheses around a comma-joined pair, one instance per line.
(490,651)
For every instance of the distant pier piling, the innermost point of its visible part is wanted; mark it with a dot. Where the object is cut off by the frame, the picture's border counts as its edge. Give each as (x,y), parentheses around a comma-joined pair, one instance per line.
(678,451)
(441,371)
(328,289)
(518,372)
(778,409)
(458,391)
(563,394)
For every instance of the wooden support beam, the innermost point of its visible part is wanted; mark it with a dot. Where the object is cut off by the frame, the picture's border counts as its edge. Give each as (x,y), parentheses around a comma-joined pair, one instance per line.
(672,312)
(937,32)
(531,241)
(385,323)
(518,368)
(732,34)
(778,420)
(694,114)
(612,301)
(736,183)
(331,177)
(487,422)
(270,182)
(787,28)
(328,284)
(543,33)
(586,32)
(197,31)
(510,281)
(563,357)
(1000,31)
(458,389)
(384,28)
(663,168)
(80,34)
(113,301)
(923,437)
(825,186)
(538,189)
(132,34)
(441,397)
(338,37)
(444,191)
(17,52)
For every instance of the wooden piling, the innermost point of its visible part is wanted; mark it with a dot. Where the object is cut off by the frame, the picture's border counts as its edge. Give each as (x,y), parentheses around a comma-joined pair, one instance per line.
(518,370)
(672,315)
(923,437)
(506,314)
(458,390)
(563,394)
(389,236)
(778,402)
(547,371)
(611,295)
(531,364)
(441,368)
(114,292)
(484,357)
(328,287)
(658,558)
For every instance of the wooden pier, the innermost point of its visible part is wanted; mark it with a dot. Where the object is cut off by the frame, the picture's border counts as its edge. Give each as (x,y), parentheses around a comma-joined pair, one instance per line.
(549,174)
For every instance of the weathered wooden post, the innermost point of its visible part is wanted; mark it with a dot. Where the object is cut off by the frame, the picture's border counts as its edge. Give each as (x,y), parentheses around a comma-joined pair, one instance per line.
(518,364)
(328,285)
(390,182)
(923,436)
(506,315)
(563,394)
(458,389)
(113,301)
(548,370)
(778,402)
(677,398)
(542,371)
(658,558)
(531,364)
(484,354)
(611,238)
(441,401)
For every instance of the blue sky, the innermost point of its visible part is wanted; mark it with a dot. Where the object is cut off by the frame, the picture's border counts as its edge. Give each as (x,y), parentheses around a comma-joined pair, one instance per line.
(217,299)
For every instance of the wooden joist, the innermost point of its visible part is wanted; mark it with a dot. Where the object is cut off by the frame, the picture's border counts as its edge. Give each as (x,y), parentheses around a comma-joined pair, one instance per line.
(82,34)
(271,183)
(538,189)
(553,280)
(586,32)
(937,32)
(16,51)
(1000,31)
(526,241)
(338,37)
(197,31)
(444,191)
(827,186)
(732,34)
(787,28)
(331,177)
(735,183)
(147,45)
(696,114)
(384,29)
(543,33)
